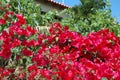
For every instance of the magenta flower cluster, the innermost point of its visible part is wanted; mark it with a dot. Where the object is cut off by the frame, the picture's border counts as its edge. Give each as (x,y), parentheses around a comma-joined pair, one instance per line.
(61,55)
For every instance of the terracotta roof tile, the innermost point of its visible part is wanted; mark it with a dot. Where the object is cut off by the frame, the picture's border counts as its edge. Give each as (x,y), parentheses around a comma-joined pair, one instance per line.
(57,3)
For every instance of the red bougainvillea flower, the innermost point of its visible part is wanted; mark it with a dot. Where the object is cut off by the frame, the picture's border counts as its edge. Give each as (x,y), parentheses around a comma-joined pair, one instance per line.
(2,21)
(21,19)
(8,14)
(16,43)
(30,29)
(32,43)
(54,49)
(27,52)
(5,73)
(22,75)
(46,73)
(56,28)
(6,51)
(40,60)
(5,54)
(32,75)
(32,68)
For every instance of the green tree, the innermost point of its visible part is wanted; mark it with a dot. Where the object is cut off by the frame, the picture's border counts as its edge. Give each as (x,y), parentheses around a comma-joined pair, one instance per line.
(87,7)
(84,19)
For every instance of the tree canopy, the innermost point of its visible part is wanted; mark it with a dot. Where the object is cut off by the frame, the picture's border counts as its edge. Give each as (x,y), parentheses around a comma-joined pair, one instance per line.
(91,15)
(89,6)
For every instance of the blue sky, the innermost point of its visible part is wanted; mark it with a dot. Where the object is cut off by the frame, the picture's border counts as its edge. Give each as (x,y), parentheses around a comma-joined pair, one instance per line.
(115,6)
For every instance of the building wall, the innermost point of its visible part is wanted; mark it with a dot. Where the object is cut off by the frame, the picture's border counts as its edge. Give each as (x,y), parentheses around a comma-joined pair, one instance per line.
(47,6)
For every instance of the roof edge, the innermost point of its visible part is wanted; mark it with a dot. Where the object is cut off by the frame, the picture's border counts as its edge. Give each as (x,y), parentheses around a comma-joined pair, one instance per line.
(57,3)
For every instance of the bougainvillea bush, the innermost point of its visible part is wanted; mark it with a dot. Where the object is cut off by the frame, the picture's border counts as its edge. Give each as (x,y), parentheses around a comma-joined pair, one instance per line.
(26,54)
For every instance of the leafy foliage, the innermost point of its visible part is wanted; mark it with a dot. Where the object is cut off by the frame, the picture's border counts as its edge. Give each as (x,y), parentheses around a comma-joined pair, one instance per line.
(101,18)
(30,10)
(89,6)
